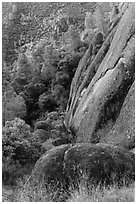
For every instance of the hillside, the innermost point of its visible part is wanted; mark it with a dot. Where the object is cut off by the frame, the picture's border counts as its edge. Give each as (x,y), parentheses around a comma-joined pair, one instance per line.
(68,98)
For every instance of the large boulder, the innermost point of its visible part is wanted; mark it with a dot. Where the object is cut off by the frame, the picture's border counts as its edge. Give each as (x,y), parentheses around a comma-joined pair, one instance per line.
(100,163)
(123,132)
(49,168)
(65,166)
(106,81)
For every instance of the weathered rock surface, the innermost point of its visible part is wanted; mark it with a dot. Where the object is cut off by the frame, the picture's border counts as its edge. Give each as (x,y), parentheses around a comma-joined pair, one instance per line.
(64,165)
(106,80)
(49,168)
(99,163)
(123,132)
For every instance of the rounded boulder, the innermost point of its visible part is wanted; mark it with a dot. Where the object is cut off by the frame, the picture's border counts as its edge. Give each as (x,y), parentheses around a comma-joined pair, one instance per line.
(100,163)
(49,168)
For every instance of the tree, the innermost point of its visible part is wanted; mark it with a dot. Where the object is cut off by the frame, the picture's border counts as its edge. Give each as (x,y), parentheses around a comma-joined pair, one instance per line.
(19,148)
(47,102)
(24,67)
(12,31)
(13,106)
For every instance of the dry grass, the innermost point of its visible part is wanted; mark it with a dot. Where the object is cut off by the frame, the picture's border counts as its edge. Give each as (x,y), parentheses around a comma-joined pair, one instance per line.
(111,194)
(82,194)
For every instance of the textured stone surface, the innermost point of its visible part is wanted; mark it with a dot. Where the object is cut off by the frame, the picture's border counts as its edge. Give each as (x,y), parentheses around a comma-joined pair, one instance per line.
(49,168)
(100,163)
(123,132)
(64,165)
(92,115)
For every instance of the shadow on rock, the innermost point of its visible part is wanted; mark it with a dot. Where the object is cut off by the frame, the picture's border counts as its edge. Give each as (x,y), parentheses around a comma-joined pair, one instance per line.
(63,166)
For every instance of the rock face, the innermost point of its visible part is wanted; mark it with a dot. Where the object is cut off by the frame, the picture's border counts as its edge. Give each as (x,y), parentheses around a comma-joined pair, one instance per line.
(106,79)
(123,132)
(64,165)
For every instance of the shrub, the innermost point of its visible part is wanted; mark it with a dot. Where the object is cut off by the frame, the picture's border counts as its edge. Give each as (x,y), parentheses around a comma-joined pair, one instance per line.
(19,149)
(13,105)
(41,135)
(47,102)
(43,125)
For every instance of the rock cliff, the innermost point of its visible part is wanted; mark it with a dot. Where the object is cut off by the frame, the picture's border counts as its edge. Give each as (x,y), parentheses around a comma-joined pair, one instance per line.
(101,85)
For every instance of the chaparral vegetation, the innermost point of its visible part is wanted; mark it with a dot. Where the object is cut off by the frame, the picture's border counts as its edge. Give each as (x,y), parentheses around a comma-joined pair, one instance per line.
(68,112)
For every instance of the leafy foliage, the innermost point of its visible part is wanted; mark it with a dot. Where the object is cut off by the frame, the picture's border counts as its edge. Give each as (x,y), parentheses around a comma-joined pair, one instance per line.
(12,31)
(19,147)
(47,102)
(100,19)
(41,70)
(13,106)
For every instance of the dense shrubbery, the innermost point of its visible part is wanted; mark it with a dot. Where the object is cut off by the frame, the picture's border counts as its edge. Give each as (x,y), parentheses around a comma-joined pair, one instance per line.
(44,82)
(19,148)
(42,65)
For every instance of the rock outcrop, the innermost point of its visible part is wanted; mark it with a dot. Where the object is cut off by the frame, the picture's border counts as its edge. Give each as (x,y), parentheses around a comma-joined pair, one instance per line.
(65,166)
(123,132)
(102,81)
